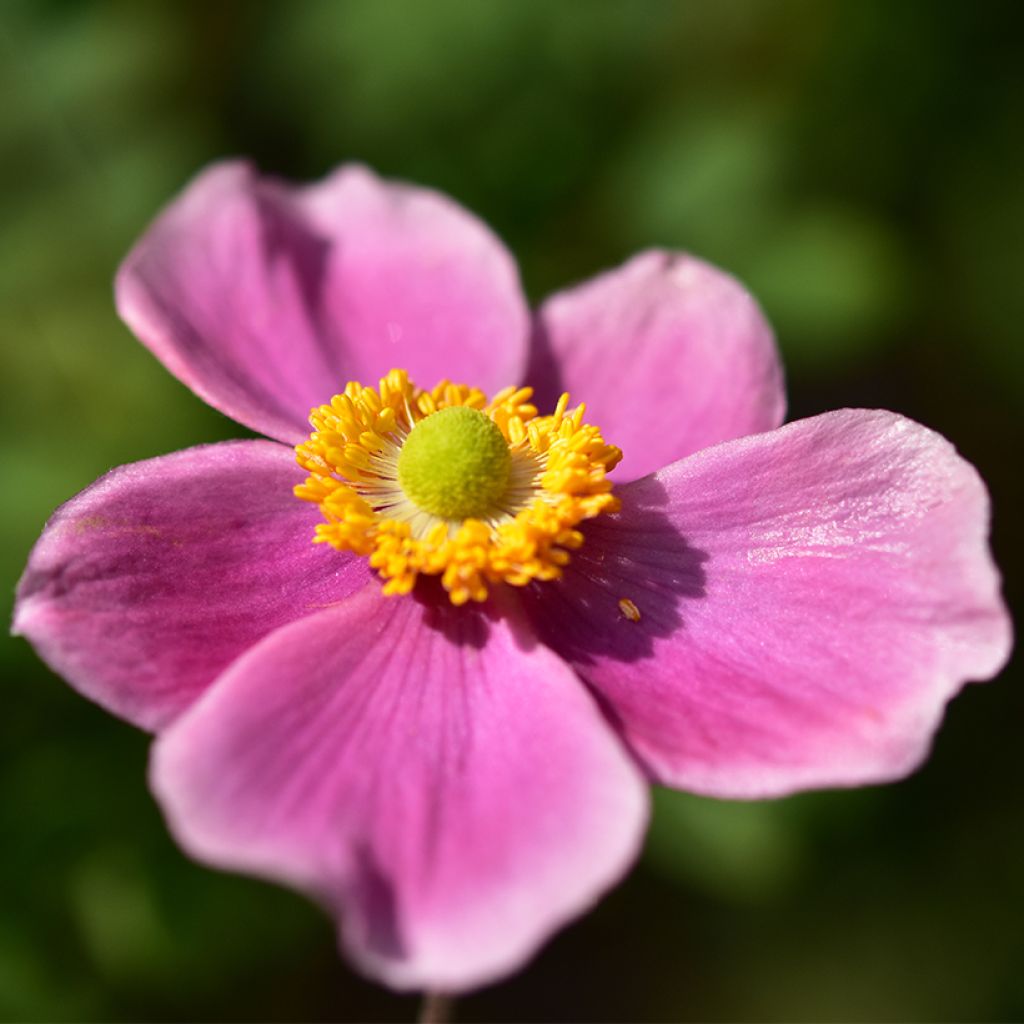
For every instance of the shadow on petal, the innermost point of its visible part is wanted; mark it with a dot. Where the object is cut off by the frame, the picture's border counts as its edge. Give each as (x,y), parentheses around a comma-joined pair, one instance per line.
(638,556)
(466,626)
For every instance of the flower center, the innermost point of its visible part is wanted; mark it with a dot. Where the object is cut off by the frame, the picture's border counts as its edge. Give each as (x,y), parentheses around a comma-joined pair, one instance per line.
(455,464)
(446,483)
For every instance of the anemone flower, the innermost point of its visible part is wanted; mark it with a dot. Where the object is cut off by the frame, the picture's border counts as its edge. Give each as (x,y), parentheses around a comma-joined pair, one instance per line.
(422,661)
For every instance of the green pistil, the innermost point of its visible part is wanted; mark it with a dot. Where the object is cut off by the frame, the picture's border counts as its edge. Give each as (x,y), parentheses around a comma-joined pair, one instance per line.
(455,464)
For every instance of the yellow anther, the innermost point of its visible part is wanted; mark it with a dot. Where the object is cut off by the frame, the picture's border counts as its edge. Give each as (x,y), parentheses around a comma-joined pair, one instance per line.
(522,521)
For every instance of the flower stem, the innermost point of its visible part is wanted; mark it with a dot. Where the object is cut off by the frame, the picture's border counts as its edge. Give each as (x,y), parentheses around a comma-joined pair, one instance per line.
(436,1008)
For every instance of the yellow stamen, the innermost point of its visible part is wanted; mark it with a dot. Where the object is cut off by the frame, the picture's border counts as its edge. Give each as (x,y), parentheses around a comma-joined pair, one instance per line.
(524,508)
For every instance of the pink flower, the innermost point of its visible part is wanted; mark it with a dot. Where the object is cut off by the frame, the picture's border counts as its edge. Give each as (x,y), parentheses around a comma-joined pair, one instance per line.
(772,608)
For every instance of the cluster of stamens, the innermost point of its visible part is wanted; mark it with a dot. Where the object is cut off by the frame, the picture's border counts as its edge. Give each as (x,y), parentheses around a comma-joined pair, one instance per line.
(480,517)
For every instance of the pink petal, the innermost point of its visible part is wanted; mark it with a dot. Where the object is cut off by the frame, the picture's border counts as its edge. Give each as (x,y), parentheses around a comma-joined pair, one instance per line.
(265,299)
(446,784)
(810,599)
(670,355)
(144,587)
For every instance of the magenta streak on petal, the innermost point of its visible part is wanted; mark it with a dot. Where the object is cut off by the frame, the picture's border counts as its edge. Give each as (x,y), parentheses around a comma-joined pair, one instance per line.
(266,298)
(670,354)
(145,586)
(445,784)
(810,599)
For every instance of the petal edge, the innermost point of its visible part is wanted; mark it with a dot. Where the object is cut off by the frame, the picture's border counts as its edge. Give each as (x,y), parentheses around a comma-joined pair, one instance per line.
(841,593)
(670,354)
(455,816)
(144,586)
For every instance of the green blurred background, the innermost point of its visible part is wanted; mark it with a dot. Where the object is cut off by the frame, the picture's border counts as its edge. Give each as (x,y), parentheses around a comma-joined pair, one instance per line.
(858,164)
